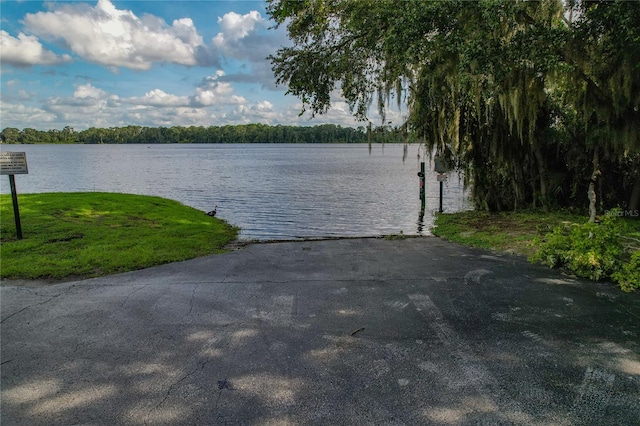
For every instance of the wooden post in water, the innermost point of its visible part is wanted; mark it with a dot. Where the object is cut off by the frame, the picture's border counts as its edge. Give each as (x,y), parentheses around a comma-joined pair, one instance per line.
(422,196)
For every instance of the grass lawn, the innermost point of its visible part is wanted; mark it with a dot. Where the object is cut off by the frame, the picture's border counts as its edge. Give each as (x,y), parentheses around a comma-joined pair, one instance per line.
(93,234)
(508,232)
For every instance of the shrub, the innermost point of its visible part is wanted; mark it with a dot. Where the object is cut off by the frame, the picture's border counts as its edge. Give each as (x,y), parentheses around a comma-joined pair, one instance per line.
(628,277)
(591,250)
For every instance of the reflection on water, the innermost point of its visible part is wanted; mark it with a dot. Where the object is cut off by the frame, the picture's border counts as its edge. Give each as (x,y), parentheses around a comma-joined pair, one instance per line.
(271,191)
(421,222)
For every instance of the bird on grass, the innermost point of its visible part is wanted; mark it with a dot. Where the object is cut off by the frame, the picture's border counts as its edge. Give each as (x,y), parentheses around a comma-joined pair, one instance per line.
(212,212)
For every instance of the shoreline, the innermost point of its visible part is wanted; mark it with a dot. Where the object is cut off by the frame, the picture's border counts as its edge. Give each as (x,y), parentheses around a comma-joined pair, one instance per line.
(231,246)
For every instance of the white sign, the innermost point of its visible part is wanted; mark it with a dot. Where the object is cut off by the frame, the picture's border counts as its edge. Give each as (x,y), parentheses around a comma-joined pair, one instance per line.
(13,163)
(442,177)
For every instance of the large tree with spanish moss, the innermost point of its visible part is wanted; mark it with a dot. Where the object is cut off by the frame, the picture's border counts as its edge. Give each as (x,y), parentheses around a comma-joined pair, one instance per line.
(538,103)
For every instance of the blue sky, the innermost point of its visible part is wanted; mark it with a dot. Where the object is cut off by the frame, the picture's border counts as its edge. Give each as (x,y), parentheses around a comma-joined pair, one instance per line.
(110,63)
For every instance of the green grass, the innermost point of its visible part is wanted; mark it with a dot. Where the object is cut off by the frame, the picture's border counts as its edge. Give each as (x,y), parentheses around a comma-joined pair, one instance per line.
(505,232)
(94,234)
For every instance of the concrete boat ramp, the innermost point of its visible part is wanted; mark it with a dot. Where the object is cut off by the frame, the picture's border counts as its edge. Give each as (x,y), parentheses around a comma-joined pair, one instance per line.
(356,331)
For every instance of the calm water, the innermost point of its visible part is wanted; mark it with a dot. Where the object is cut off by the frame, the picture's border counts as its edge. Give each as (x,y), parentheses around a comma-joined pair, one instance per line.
(270,191)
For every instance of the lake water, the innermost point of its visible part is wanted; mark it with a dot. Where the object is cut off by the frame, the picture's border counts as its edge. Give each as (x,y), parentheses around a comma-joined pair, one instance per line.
(270,191)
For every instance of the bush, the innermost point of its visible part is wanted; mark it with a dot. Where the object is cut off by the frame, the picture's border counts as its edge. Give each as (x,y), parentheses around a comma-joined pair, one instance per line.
(591,250)
(628,277)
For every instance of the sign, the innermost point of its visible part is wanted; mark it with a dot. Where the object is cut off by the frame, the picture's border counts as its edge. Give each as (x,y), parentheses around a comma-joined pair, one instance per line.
(442,177)
(13,163)
(438,165)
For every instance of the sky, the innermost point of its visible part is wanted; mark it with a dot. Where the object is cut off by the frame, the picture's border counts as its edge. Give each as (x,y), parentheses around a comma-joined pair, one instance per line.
(110,63)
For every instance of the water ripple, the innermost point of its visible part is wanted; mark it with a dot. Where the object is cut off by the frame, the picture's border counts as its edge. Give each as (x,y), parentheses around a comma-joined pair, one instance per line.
(269,191)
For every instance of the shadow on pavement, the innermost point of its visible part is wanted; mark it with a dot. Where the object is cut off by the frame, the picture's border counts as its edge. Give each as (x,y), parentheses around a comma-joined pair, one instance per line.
(415,331)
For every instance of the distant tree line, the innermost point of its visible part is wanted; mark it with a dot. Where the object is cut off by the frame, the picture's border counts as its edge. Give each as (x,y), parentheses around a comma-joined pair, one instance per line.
(245,133)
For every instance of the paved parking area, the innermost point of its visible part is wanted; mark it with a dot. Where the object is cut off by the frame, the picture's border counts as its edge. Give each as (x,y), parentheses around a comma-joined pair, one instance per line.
(354,331)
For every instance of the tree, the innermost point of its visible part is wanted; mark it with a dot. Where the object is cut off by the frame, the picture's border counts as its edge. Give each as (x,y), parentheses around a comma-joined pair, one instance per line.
(91,136)
(10,135)
(486,82)
(603,86)
(244,133)
(31,136)
(68,135)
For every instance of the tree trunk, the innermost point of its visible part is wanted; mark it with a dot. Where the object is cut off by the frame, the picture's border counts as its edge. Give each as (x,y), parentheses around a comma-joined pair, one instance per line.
(634,199)
(592,186)
(543,172)
(591,193)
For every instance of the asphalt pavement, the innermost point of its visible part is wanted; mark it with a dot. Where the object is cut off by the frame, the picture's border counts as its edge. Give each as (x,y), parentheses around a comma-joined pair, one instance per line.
(355,331)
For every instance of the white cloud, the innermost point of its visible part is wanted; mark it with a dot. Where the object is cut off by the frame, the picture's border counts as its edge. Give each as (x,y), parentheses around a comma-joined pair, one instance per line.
(242,37)
(159,98)
(235,26)
(338,114)
(212,103)
(88,106)
(13,114)
(265,106)
(115,37)
(25,51)
(91,106)
(259,112)
(24,95)
(118,38)
(211,91)
(168,117)
(87,91)
(87,101)
(239,37)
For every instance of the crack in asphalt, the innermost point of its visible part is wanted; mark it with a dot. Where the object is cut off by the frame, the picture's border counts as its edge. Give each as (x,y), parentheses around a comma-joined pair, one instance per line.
(35,304)
(126,299)
(200,366)
(193,295)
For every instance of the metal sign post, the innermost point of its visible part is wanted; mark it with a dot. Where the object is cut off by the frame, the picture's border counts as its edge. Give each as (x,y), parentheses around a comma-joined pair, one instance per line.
(441,168)
(442,179)
(16,210)
(13,163)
